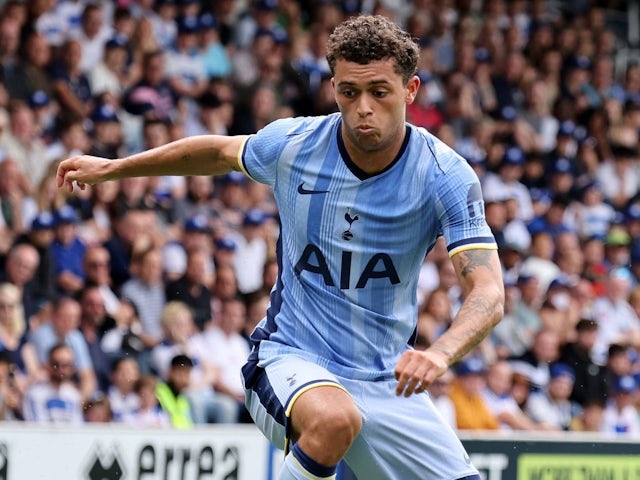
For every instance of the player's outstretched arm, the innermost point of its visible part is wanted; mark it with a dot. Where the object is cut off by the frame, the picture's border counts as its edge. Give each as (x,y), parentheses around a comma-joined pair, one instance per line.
(480,276)
(198,155)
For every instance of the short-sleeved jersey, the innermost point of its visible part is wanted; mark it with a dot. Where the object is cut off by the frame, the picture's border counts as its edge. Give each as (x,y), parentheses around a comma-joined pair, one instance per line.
(351,245)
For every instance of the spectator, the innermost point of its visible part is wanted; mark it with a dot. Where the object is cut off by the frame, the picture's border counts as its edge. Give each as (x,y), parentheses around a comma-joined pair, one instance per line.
(618,176)
(92,35)
(592,417)
(472,411)
(551,407)
(94,321)
(41,235)
(71,85)
(20,267)
(22,143)
(439,391)
(170,394)
(17,207)
(147,291)
(34,65)
(590,379)
(536,361)
(152,96)
(11,391)
(182,337)
(130,232)
(107,138)
(192,288)
(19,352)
(498,398)
(55,400)
(434,318)
(122,396)
(617,321)
(227,351)
(110,74)
(63,328)
(68,251)
(184,64)
(251,251)
(149,413)
(98,410)
(620,416)
(125,338)
(514,334)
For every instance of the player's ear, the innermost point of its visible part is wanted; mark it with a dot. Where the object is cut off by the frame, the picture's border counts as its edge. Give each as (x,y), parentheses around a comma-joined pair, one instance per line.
(412,89)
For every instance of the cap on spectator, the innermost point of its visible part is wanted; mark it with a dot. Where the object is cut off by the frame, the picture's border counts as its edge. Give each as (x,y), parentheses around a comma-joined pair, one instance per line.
(39,99)
(579,62)
(350,7)
(508,113)
(617,237)
(483,55)
(208,21)
(43,221)
(181,360)
(254,218)
(625,384)
(560,369)
(268,5)
(470,366)
(226,243)
(425,76)
(64,215)
(117,41)
(188,25)
(160,3)
(586,324)
(104,113)
(633,212)
(621,273)
(566,129)
(561,281)
(513,156)
(197,223)
(237,178)
(562,165)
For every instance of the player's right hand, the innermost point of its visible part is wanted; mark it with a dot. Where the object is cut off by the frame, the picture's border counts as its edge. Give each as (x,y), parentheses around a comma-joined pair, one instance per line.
(416,370)
(83,170)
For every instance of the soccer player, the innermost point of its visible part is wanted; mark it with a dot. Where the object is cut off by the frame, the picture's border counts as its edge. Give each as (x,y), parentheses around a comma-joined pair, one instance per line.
(363,196)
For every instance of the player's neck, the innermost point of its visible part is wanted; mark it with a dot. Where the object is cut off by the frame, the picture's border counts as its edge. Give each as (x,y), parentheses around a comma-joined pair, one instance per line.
(375,161)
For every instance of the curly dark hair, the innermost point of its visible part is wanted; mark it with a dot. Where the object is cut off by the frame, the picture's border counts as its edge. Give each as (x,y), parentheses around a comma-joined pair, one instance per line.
(365,39)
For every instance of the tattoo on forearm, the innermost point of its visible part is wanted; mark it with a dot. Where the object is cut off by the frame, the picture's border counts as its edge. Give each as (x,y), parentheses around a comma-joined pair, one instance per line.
(468,261)
(186,157)
(472,324)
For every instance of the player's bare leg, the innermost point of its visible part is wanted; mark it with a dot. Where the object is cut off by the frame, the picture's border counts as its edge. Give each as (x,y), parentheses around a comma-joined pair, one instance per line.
(325,422)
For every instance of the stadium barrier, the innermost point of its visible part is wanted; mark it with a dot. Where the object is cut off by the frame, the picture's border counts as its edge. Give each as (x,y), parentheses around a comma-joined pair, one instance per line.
(239,452)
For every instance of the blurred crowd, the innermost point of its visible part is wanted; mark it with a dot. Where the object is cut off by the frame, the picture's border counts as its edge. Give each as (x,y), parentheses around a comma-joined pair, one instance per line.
(132,301)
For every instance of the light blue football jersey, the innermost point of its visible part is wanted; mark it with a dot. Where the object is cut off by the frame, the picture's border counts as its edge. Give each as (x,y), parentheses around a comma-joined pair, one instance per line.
(351,245)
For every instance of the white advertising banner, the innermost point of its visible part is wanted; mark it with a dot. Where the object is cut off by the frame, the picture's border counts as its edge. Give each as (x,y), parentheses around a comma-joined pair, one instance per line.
(237,452)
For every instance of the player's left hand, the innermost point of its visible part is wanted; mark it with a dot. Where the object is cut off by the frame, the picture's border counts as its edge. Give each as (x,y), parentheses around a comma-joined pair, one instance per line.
(416,370)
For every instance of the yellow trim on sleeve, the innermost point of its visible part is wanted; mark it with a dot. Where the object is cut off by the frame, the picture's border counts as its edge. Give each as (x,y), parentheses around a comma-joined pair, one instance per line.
(472,246)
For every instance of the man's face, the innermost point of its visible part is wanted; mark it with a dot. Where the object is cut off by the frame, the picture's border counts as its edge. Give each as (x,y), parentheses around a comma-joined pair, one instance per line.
(372,99)
(61,365)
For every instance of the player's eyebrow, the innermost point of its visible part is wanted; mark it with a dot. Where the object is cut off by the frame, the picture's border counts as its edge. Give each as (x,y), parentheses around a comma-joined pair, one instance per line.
(345,83)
